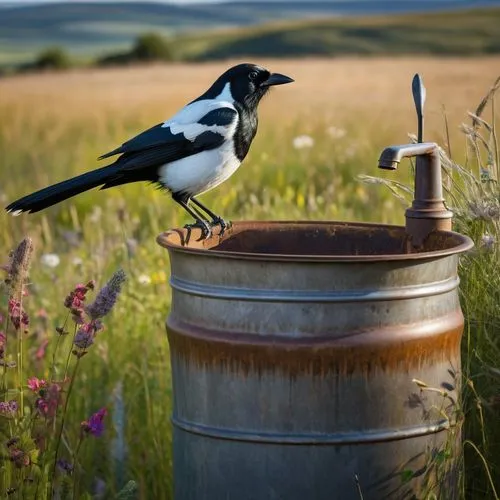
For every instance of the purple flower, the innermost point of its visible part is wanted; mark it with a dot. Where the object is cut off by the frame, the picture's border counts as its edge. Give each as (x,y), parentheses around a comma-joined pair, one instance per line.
(18,268)
(107,296)
(19,457)
(84,336)
(95,425)
(65,466)
(9,407)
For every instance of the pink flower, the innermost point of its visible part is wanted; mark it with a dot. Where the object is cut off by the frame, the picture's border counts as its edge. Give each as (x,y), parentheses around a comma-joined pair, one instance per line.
(95,425)
(35,384)
(17,315)
(3,342)
(75,300)
(49,401)
(40,352)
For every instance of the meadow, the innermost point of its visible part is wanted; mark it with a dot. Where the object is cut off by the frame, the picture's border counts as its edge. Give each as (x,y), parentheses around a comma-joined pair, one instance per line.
(315,138)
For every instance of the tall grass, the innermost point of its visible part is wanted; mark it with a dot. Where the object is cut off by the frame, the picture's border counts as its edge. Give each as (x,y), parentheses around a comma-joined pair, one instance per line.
(53,126)
(473,193)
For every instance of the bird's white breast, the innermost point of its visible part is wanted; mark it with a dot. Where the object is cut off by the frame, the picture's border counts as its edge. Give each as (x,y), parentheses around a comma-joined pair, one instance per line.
(200,172)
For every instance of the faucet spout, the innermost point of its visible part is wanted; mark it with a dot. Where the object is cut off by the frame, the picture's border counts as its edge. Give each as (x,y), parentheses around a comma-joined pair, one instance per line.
(428,212)
(392,156)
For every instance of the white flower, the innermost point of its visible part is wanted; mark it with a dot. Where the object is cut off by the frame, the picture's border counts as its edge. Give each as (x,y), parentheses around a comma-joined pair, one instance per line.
(487,240)
(96,214)
(303,141)
(50,259)
(77,261)
(335,132)
(144,279)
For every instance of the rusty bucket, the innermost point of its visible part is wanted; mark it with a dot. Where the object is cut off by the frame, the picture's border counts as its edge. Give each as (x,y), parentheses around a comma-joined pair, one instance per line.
(314,361)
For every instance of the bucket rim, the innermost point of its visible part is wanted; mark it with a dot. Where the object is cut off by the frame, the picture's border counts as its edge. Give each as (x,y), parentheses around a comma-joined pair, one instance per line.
(174,241)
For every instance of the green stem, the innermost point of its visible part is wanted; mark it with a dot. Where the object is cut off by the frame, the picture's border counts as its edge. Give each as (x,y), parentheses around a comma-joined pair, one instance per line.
(70,351)
(20,335)
(75,473)
(53,368)
(4,371)
(61,427)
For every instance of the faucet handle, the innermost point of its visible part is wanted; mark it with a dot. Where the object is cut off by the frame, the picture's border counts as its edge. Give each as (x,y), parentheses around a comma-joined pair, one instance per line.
(419,93)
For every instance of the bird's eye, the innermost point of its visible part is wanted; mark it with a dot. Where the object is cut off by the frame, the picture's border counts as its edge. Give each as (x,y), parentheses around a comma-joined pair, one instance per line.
(253,75)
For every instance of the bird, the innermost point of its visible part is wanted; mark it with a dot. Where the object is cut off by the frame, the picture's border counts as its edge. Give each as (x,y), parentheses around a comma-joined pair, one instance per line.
(195,150)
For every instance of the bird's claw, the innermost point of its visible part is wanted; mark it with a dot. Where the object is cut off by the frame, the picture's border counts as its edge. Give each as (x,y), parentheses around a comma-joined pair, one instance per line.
(219,221)
(206,230)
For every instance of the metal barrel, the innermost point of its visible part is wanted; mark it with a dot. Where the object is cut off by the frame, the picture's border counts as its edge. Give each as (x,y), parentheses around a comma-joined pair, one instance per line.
(314,361)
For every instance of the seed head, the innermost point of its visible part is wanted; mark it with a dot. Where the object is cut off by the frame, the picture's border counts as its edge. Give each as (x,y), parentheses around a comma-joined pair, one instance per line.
(107,296)
(18,268)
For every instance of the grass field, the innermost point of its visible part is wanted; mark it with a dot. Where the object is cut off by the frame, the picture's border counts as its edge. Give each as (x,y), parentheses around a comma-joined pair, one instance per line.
(55,125)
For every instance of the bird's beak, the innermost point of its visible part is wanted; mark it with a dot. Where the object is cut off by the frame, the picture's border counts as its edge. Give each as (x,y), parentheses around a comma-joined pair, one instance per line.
(277,79)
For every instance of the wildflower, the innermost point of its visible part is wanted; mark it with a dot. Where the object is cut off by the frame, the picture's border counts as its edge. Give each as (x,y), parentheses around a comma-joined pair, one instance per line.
(12,441)
(96,214)
(3,342)
(107,296)
(485,174)
(487,241)
(18,268)
(42,349)
(485,209)
(131,244)
(49,400)
(42,406)
(35,384)
(17,314)
(65,466)
(74,301)
(50,260)
(77,261)
(8,407)
(335,132)
(19,457)
(84,336)
(303,142)
(95,425)
(144,279)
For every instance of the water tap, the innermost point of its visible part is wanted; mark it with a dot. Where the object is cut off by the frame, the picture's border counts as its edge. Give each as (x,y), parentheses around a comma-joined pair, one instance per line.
(428,212)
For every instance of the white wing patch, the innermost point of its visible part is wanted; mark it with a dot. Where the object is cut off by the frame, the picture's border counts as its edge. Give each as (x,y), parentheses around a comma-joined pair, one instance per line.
(192,129)
(197,110)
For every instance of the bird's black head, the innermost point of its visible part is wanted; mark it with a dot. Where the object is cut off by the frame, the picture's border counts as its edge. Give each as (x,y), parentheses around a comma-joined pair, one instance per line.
(245,84)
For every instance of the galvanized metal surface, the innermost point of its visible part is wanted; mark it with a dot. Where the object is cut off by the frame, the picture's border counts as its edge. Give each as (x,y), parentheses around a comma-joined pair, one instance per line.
(293,349)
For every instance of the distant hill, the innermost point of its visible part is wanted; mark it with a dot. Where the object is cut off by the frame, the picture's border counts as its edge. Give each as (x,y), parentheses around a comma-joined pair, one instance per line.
(91,29)
(470,32)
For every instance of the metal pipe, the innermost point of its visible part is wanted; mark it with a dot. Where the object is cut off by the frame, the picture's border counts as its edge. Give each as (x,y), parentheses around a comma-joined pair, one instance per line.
(428,212)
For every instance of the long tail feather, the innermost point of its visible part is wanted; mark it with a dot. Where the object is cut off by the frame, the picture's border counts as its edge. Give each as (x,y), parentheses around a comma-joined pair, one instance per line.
(51,195)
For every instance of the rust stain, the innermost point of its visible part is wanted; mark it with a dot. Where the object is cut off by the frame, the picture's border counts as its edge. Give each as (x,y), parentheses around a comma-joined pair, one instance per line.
(387,350)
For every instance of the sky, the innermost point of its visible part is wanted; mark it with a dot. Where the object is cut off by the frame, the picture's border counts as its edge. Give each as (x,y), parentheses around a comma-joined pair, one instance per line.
(16,2)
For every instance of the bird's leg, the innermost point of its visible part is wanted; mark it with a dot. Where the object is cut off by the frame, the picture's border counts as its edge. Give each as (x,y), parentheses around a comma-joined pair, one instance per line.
(215,218)
(206,230)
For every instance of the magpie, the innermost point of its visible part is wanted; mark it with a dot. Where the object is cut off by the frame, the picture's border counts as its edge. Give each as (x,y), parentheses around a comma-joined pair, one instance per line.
(194,151)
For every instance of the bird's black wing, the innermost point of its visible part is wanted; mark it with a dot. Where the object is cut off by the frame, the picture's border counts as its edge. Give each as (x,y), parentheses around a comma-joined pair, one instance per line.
(162,135)
(164,143)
